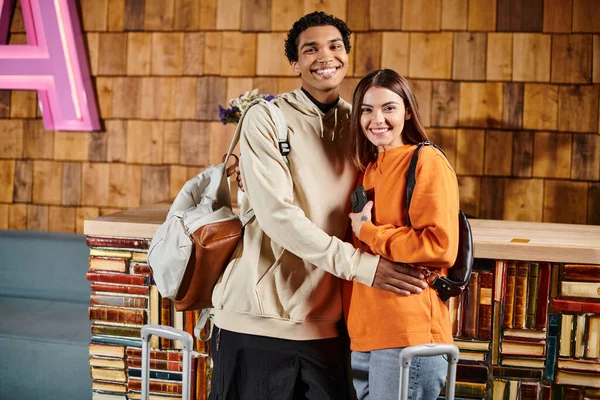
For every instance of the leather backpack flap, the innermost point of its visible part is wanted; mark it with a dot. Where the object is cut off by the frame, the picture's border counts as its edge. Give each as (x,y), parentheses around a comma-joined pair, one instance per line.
(213,246)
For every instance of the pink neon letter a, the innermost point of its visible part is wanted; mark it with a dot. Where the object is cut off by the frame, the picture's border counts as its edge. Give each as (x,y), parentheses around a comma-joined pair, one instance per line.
(53,63)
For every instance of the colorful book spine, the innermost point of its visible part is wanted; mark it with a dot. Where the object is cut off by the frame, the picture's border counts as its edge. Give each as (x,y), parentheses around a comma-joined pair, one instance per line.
(138,290)
(165,319)
(541,316)
(486,282)
(470,306)
(529,391)
(125,243)
(141,269)
(175,366)
(155,386)
(112,330)
(509,299)
(135,352)
(119,279)
(114,264)
(117,315)
(582,273)
(500,281)
(575,306)
(552,346)
(520,295)
(532,294)
(118,301)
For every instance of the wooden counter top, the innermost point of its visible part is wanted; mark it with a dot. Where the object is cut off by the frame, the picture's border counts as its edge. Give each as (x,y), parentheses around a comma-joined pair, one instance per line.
(501,240)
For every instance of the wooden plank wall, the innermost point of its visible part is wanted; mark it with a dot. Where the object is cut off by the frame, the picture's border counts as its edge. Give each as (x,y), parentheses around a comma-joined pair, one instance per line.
(510,91)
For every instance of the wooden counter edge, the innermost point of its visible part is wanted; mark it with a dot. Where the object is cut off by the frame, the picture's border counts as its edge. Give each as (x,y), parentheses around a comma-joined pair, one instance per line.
(494,239)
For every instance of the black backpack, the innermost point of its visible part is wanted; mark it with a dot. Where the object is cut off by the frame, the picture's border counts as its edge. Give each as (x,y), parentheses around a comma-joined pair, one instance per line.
(460,273)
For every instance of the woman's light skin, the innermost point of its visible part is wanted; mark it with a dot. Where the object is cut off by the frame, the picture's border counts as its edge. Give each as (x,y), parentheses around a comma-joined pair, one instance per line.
(382,117)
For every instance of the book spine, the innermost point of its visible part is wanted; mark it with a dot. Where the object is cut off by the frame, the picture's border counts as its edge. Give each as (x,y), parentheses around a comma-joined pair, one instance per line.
(155,386)
(165,319)
(162,375)
(579,336)
(110,330)
(470,307)
(593,348)
(500,281)
(580,289)
(541,314)
(514,372)
(118,301)
(475,373)
(509,299)
(117,340)
(155,354)
(471,390)
(486,281)
(120,315)
(532,295)
(520,295)
(546,392)
(138,290)
(103,350)
(584,273)
(108,264)
(567,330)
(120,279)
(575,306)
(125,243)
(141,269)
(106,374)
(496,332)
(529,391)
(175,366)
(573,393)
(154,314)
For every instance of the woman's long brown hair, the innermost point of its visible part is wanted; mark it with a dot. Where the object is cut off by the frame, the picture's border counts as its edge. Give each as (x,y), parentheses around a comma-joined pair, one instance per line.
(363,152)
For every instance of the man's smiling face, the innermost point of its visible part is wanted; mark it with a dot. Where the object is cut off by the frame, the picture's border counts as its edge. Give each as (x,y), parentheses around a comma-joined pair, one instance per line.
(322,62)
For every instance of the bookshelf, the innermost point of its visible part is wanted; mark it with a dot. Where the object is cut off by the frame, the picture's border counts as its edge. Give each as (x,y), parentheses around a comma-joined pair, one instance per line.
(528,327)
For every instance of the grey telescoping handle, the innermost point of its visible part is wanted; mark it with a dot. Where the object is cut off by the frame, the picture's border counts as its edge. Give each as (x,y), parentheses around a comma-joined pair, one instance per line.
(169,333)
(427,350)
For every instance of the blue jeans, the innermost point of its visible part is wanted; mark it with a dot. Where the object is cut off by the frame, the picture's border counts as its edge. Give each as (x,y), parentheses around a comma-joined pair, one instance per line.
(376,375)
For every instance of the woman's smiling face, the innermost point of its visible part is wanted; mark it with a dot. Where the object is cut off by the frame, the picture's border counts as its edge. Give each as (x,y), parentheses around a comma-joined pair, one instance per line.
(382,116)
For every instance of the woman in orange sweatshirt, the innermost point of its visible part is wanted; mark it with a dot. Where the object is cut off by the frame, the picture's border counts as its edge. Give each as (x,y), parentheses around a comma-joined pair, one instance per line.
(386,126)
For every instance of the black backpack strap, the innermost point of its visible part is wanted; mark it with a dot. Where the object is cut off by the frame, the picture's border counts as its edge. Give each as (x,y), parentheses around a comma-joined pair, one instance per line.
(411,175)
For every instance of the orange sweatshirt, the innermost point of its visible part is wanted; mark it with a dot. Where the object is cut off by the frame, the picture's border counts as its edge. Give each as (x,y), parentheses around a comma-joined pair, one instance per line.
(378,319)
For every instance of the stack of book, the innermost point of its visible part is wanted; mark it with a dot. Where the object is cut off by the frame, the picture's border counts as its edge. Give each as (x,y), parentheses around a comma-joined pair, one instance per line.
(471,317)
(521,314)
(523,390)
(123,299)
(579,345)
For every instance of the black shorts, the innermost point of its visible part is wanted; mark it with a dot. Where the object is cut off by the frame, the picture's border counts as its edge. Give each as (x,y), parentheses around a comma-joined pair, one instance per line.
(252,367)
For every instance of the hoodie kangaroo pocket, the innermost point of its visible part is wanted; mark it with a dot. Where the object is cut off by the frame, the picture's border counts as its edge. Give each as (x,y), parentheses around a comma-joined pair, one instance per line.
(266,289)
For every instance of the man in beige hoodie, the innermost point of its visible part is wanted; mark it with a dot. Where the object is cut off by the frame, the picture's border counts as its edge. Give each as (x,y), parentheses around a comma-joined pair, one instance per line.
(278,304)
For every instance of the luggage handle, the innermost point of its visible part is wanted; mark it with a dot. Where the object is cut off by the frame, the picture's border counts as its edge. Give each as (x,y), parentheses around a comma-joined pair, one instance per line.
(169,333)
(428,350)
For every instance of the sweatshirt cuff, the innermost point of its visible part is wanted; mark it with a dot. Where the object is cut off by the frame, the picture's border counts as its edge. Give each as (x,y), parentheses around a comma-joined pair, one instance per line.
(368,230)
(365,269)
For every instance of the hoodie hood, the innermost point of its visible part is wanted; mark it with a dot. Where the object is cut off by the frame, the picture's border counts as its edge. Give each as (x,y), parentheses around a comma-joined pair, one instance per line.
(338,115)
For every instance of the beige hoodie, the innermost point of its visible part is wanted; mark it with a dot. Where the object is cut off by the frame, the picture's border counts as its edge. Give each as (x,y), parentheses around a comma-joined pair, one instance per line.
(282,281)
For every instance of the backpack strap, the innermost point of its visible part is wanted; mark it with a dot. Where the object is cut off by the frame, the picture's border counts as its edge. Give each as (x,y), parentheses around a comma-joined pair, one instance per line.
(282,130)
(411,175)
(280,126)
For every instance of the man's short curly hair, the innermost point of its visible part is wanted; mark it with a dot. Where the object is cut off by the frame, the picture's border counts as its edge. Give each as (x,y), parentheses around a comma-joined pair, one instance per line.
(317,18)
